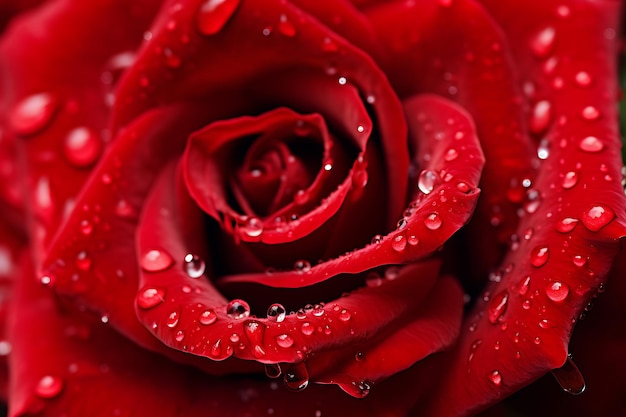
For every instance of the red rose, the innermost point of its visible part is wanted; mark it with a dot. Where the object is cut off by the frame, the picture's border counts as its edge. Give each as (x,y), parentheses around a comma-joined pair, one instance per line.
(201,196)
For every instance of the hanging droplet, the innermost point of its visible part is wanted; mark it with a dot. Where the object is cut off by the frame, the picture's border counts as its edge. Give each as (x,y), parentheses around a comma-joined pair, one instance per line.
(207,317)
(150,297)
(569,377)
(238,309)
(557,291)
(433,221)
(251,229)
(495,378)
(566,225)
(284,341)
(497,306)
(297,377)
(213,15)
(570,179)
(49,386)
(539,256)
(302,265)
(276,312)
(541,116)
(591,144)
(543,42)
(597,217)
(33,113)
(427,181)
(194,266)
(156,260)
(273,370)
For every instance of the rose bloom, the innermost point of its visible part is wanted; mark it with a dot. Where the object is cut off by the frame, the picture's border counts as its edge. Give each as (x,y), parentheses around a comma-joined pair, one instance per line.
(311,208)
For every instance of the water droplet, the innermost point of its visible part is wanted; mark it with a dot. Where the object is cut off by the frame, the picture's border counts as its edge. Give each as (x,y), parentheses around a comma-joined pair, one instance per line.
(566,225)
(254,332)
(579,260)
(82,147)
(172,320)
(252,228)
(125,210)
(297,377)
(570,179)
(33,113)
(597,217)
(495,378)
(539,256)
(345,315)
(180,335)
(49,386)
(463,187)
(526,304)
(497,306)
(377,239)
(207,317)
(238,309)
(156,260)
(591,144)
(590,113)
(272,370)
(150,297)
(214,14)
(433,221)
(286,27)
(451,155)
(569,377)
(83,261)
(194,266)
(284,341)
(307,328)
(583,79)
(557,291)
(398,242)
(524,286)
(276,312)
(543,42)
(427,181)
(302,265)
(541,116)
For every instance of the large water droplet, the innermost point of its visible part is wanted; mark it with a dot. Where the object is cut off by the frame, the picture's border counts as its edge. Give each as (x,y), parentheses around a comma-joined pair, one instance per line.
(433,221)
(49,386)
(302,265)
(539,256)
(297,377)
(82,147)
(543,42)
(583,79)
(251,229)
(497,306)
(307,328)
(150,297)
(156,260)
(276,312)
(33,113)
(273,370)
(207,317)
(213,15)
(570,179)
(590,113)
(284,341)
(557,291)
(427,181)
(194,266)
(398,242)
(569,377)
(597,217)
(591,144)
(238,309)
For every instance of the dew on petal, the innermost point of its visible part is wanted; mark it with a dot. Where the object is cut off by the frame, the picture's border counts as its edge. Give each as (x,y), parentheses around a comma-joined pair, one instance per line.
(427,181)
(495,378)
(172,320)
(150,297)
(49,386)
(82,147)
(194,266)
(238,309)
(590,113)
(598,216)
(398,242)
(207,317)
(539,256)
(570,179)
(591,144)
(33,113)
(541,116)
(524,286)
(276,312)
(284,341)
(433,221)
(286,27)
(543,42)
(583,79)
(156,260)
(213,15)
(497,306)
(557,291)
(251,228)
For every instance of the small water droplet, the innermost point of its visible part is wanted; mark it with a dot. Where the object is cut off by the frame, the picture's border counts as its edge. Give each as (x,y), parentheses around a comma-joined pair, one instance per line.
(590,113)
(82,147)
(495,378)
(297,377)
(597,217)
(238,309)
(286,27)
(276,312)
(591,144)
(451,155)
(150,297)
(156,260)
(398,242)
(345,315)
(125,210)
(579,260)
(497,306)
(33,113)
(524,286)
(251,229)
(566,225)
(557,291)
(463,187)
(83,261)
(427,181)
(284,341)
(539,256)
(194,266)
(541,116)
(302,265)
(213,15)
(583,79)
(180,335)
(569,377)
(570,179)
(543,150)
(49,386)
(307,328)
(433,221)
(543,42)
(377,239)
(172,320)
(207,317)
